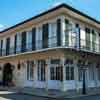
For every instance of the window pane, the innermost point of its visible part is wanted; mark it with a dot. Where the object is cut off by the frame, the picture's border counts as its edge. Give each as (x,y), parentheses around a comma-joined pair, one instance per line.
(29,40)
(30,70)
(67,73)
(72,73)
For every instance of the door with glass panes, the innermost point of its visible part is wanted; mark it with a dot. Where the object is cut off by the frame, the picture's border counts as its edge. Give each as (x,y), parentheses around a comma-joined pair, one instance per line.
(30,74)
(41,74)
(56,74)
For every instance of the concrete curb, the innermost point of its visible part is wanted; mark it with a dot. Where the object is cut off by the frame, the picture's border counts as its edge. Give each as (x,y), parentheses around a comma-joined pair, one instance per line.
(19,91)
(59,97)
(82,95)
(39,95)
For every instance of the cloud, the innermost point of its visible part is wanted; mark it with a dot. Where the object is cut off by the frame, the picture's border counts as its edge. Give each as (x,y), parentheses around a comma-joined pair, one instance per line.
(1,27)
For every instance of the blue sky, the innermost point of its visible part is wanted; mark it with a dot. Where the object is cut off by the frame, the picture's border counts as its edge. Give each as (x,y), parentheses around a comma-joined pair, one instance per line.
(15,11)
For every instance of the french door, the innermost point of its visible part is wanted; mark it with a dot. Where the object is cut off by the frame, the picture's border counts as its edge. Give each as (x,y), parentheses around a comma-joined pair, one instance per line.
(41,74)
(41,70)
(56,76)
(30,74)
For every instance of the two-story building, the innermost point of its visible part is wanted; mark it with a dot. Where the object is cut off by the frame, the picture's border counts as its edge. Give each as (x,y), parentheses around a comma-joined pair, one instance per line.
(51,50)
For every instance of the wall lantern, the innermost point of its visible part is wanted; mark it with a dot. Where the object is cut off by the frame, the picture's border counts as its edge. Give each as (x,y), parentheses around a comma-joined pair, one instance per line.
(0,68)
(18,66)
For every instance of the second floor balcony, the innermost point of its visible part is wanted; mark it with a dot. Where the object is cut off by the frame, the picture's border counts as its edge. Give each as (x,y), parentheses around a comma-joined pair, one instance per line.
(70,43)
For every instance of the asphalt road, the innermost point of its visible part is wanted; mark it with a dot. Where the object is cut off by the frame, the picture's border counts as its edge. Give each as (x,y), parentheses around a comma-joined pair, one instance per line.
(4,95)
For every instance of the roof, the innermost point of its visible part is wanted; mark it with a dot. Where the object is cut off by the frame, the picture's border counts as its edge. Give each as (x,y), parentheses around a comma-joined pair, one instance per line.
(51,10)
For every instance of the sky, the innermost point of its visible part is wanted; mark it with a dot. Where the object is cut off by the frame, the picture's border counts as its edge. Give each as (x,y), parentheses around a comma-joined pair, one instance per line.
(15,11)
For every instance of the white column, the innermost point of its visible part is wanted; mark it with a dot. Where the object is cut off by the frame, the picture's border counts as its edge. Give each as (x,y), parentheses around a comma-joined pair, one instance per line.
(35,73)
(95,75)
(76,75)
(64,76)
(47,72)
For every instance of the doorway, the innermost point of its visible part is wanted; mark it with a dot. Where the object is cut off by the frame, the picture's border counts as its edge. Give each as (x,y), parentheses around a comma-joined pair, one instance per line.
(7,74)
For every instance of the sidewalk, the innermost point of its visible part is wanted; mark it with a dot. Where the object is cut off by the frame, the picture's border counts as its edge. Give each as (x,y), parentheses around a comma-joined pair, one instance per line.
(51,93)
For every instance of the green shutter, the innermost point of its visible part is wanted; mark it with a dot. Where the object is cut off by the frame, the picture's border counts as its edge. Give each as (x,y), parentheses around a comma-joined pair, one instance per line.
(45,33)
(7,46)
(23,42)
(33,38)
(58,32)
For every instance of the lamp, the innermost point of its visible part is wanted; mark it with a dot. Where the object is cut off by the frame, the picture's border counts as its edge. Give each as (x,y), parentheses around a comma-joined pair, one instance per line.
(18,66)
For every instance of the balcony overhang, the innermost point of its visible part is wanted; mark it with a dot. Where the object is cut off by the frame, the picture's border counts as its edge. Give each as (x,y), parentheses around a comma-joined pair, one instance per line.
(49,52)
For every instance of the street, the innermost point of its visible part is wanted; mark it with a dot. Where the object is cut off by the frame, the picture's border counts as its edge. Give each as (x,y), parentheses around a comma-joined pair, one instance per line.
(5,95)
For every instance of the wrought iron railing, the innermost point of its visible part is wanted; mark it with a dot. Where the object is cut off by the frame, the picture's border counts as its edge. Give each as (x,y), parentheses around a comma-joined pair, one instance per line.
(70,43)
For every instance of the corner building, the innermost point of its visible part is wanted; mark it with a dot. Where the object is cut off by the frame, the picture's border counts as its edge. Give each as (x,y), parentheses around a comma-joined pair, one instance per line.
(51,50)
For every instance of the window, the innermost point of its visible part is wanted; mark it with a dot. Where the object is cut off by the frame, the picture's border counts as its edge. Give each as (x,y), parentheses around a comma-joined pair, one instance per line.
(91,73)
(73,34)
(1,46)
(30,70)
(39,38)
(88,41)
(69,72)
(99,42)
(41,70)
(56,70)
(15,43)
(53,34)
(98,69)
(77,36)
(66,32)
(7,46)
(18,42)
(69,69)
(29,40)
(80,74)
